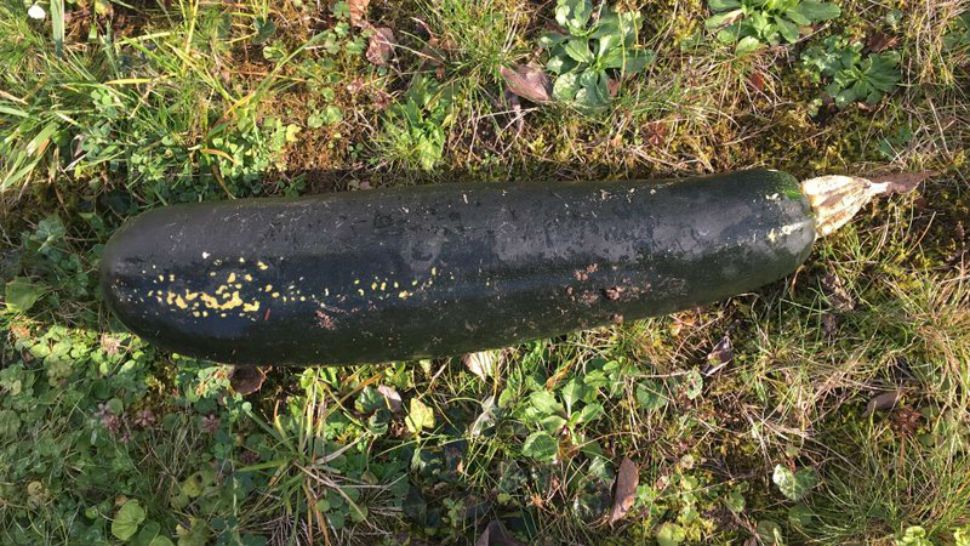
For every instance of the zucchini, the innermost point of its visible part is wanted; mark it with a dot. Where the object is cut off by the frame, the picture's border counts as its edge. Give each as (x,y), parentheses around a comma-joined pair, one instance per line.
(439,270)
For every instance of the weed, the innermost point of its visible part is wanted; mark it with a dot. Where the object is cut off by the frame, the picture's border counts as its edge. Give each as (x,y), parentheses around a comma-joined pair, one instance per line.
(751,24)
(414,130)
(596,53)
(853,77)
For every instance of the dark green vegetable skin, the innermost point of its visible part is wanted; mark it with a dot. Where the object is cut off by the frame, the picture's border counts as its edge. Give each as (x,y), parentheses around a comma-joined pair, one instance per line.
(440,270)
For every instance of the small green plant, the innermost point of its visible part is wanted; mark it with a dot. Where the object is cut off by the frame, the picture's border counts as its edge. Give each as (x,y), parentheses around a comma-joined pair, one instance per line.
(597,50)
(414,129)
(959,34)
(572,409)
(751,24)
(852,77)
(794,485)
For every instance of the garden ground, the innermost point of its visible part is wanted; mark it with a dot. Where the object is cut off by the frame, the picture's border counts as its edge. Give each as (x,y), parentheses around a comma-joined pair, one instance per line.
(831,407)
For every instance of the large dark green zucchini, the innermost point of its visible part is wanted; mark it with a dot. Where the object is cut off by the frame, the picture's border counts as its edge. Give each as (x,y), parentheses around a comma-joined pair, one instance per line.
(440,270)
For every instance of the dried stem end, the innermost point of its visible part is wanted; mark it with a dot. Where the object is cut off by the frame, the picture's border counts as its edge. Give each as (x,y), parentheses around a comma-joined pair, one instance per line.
(835,199)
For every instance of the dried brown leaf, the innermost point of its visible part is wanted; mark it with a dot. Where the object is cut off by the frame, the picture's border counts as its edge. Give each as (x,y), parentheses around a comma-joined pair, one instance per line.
(656,133)
(495,534)
(358,12)
(884,402)
(903,182)
(391,396)
(613,86)
(381,46)
(528,81)
(481,363)
(835,290)
(721,355)
(757,80)
(247,379)
(625,489)
(830,325)
(880,41)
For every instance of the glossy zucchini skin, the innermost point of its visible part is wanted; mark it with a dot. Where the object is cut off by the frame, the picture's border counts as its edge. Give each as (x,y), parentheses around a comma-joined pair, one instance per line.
(439,270)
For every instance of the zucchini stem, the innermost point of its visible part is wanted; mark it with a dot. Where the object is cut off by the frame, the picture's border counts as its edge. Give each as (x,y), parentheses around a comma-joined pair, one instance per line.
(835,199)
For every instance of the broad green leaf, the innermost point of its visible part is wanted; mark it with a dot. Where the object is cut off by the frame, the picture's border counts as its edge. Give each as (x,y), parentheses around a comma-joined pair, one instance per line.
(630,22)
(649,395)
(553,423)
(722,5)
(197,534)
(545,402)
(540,446)
(419,416)
(573,14)
(801,515)
(608,25)
(565,87)
(721,19)
(729,35)
(734,501)
(192,486)
(551,39)
(608,43)
(816,11)
(21,294)
(161,541)
(670,534)
(961,536)
(794,485)
(844,98)
(693,384)
(637,61)
(578,50)
(789,31)
(914,535)
(746,45)
(594,92)
(149,531)
(770,533)
(574,390)
(369,401)
(590,412)
(127,520)
(560,64)
(796,16)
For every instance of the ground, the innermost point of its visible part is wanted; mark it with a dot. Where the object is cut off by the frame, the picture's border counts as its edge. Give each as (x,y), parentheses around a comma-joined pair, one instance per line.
(830,407)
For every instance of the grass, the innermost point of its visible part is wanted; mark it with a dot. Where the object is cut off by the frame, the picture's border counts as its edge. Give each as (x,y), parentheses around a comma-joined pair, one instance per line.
(112,109)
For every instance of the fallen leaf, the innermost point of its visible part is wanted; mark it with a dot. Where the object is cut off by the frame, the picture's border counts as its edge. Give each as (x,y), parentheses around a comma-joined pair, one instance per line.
(517,116)
(625,489)
(721,355)
(391,396)
(481,363)
(495,534)
(903,182)
(528,81)
(883,402)
(358,12)
(757,80)
(881,41)
(381,46)
(247,379)
(613,86)
(830,325)
(656,132)
(484,419)
(837,294)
